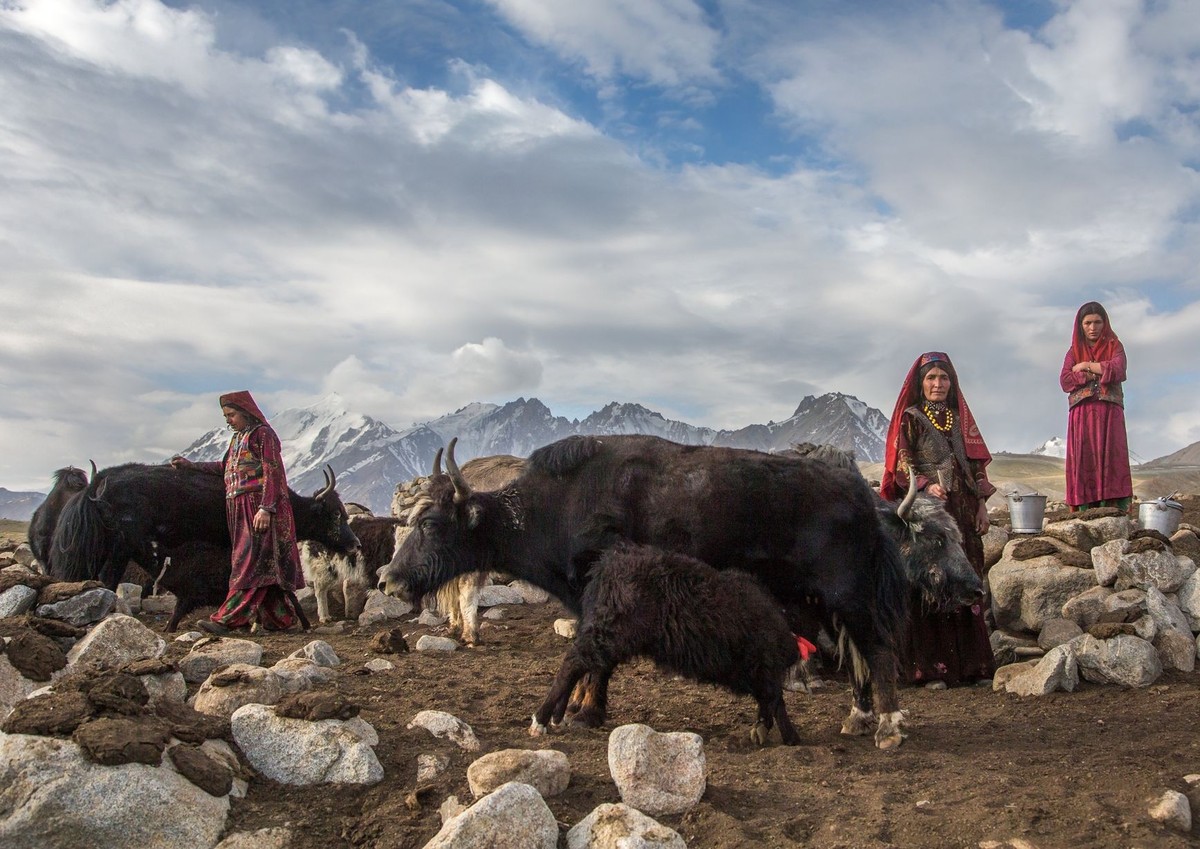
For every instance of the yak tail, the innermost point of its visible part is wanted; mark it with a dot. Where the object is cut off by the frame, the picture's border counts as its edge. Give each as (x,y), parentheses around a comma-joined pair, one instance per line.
(81,540)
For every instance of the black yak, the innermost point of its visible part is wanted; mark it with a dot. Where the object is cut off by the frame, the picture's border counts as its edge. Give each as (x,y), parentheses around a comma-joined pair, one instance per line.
(68,483)
(804,529)
(715,627)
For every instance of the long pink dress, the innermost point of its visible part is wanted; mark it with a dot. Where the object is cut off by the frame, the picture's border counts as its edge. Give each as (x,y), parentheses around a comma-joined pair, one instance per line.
(1097,447)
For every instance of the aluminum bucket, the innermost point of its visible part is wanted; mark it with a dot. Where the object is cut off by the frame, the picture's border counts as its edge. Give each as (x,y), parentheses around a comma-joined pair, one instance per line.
(1026,512)
(1162,515)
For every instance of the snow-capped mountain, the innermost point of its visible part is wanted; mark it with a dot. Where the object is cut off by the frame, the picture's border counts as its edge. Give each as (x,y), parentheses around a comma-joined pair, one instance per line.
(1053,447)
(371,458)
(832,419)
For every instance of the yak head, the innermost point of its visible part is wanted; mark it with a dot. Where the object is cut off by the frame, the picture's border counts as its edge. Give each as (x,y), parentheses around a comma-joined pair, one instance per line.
(323,518)
(932,548)
(448,533)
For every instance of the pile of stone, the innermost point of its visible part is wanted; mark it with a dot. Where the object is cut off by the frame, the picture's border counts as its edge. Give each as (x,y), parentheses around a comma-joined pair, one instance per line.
(96,727)
(1093,597)
(656,775)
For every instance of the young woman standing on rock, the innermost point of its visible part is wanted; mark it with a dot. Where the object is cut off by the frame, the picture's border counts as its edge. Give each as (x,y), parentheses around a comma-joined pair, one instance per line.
(1092,375)
(934,436)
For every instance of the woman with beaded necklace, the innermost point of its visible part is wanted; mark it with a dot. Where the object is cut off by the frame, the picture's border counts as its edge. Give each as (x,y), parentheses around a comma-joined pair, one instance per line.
(934,436)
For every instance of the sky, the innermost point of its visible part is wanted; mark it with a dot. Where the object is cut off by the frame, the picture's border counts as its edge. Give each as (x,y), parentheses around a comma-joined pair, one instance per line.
(710,208)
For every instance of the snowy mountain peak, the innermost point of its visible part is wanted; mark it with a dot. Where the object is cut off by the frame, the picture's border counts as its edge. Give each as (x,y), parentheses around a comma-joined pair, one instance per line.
(1053,447)
(370,458)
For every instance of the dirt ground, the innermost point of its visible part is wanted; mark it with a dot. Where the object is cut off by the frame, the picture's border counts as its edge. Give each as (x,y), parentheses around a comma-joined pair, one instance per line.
(1069,769)
(1066,770)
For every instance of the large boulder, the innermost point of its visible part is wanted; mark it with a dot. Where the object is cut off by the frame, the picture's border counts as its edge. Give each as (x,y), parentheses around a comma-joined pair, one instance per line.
(1026,594)
(52,795)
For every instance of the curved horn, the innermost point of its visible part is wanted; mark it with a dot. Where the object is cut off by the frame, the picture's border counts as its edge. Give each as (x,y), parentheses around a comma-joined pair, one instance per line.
(330,482)
(462,489)
(93,462)
(437,463)
(909,497)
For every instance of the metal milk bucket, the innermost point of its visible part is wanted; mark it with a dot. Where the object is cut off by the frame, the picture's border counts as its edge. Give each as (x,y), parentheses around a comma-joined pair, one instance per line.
(1161,514)
(1026,513)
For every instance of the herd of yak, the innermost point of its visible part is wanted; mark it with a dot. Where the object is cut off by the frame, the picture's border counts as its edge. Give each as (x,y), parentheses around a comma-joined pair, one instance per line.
(707,560)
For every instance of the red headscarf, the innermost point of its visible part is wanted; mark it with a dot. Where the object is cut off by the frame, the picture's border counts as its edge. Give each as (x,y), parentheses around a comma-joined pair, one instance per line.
(1104,349)
(244,402)
(912,394)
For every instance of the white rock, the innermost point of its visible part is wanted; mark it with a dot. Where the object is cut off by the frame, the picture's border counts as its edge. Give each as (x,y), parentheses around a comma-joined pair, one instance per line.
(14,687)
(162,603)
(1106,560)
(431,620)
(1028,593)
(428,642)
(430,767)
(380,608)
(445,725)
(23,555)
(378,664)
(257,686)
(52,796)
(82,609)
(621,827)
(1189,600)
(1159,569)
(657,773)
(530,593)
(116,641)
(1128,661)
(17,600)
(546,771)
(494,594)
(1173,810)
(512,817)
(200,662)
(297,751)
(131,594)
(297,674)
(566,627)
(320,652)
(264,838)
(1056,671)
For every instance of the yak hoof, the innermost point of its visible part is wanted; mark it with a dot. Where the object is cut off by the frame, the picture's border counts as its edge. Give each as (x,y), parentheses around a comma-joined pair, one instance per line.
(858,722)
(758,734)
(536,729)
(889,734)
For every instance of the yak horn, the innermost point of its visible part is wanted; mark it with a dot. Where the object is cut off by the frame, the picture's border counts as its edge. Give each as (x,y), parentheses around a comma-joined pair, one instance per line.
(93,462)
(462,489)
(437,463)
(330,482)
(909,497)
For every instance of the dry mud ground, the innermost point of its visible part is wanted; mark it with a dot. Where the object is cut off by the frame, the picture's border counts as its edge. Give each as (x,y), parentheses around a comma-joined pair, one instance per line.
(1069,769)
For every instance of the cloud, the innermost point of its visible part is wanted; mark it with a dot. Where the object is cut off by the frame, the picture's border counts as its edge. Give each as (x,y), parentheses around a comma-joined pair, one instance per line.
(665,42)
(186,212)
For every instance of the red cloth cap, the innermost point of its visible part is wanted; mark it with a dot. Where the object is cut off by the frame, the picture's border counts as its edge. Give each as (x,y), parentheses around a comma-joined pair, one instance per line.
(243,401)
(1106,346)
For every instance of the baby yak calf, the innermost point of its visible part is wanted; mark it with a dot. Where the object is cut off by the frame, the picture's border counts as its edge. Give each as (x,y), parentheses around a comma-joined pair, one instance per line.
(716,627)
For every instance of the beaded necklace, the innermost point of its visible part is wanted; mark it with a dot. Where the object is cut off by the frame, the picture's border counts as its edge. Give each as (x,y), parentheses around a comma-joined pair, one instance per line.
(931,412)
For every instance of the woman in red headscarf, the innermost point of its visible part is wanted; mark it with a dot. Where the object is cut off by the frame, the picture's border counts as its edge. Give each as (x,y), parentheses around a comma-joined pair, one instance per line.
(933,435)
(1097,451)
(266,563)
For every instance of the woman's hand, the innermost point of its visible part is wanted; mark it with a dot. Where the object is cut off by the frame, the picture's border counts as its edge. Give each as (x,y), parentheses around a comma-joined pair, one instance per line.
(982,522)
(262,520)
(936,490)
(1089,367)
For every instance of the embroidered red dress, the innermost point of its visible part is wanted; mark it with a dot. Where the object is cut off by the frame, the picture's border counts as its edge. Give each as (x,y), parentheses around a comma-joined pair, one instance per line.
(1097,448)
(952,646)
(265,566)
